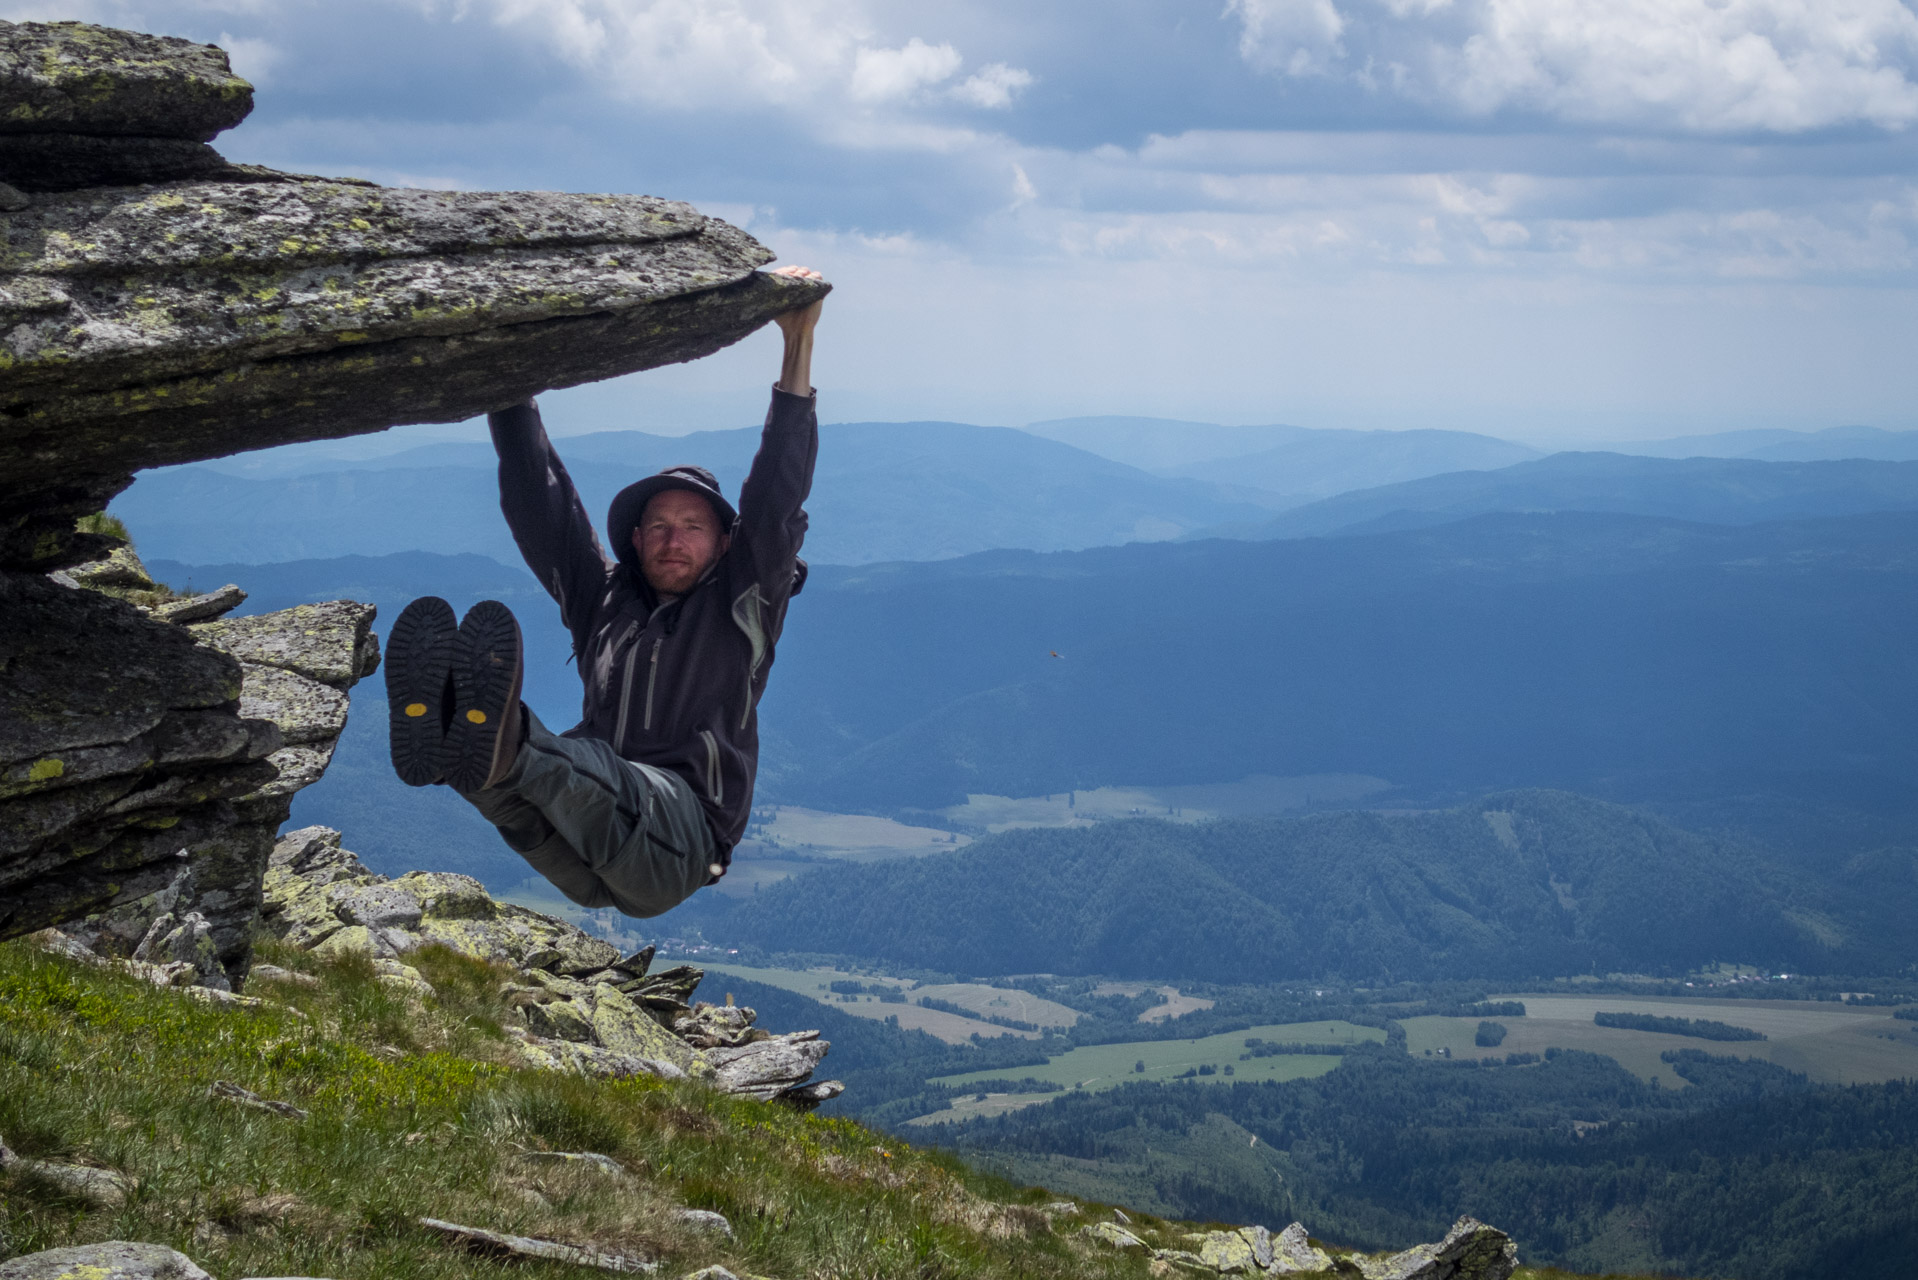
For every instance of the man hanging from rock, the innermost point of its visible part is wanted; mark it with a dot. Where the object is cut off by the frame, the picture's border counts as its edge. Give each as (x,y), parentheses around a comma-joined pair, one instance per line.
(641,803)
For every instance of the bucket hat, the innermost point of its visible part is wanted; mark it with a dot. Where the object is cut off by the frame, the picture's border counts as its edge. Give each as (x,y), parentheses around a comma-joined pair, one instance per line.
(629,504)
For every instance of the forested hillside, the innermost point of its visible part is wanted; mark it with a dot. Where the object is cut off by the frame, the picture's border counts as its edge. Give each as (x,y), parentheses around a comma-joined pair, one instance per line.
(1625,656)
(1518,885)
(1746,1172)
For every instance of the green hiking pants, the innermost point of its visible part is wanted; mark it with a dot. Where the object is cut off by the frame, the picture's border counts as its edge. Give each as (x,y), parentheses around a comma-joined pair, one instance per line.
(605,831)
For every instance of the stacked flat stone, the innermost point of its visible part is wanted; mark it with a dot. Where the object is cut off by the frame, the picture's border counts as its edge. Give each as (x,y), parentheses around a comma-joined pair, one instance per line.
(146,765)
(88,106)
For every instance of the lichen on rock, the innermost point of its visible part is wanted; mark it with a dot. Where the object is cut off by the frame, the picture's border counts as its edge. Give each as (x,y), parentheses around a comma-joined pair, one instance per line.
(581,1005)
(76,78)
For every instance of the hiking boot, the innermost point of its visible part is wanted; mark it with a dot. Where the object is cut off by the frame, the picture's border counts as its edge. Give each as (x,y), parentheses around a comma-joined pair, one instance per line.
(483,736)
(419,665)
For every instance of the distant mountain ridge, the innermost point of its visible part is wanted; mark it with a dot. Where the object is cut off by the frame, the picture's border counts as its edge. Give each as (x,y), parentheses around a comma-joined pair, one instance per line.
(1711,490)
(883,491)
(1332,462)
(1777,445)
(1297,463)
(1526,884)
(935,490)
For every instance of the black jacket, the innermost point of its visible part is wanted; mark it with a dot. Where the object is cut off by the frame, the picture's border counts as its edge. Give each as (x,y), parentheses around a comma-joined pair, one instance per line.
(676,685)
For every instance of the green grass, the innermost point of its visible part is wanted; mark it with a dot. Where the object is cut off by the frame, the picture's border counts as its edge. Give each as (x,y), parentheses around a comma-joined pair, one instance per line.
(413,1112)
(101,522)
(1107,1066)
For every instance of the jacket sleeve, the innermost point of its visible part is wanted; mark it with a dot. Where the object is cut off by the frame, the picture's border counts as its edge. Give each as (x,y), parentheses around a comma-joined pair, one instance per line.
(772,517)
(547,518)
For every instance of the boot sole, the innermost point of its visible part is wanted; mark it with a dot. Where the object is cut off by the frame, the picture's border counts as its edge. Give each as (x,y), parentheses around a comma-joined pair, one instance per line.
(486,680)
(419,657)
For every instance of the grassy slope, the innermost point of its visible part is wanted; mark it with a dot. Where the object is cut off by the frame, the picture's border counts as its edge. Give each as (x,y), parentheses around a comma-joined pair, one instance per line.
(413,1114)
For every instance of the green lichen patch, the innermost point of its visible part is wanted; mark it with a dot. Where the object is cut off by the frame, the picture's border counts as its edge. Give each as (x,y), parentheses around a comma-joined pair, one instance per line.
(75,77)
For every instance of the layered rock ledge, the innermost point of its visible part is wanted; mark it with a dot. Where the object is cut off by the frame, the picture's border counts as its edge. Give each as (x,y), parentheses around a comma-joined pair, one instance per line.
(236,308)
(146,764)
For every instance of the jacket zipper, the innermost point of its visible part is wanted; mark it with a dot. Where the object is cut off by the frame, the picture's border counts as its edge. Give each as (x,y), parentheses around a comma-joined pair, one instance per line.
(715,785)
(625,698)
(652,678)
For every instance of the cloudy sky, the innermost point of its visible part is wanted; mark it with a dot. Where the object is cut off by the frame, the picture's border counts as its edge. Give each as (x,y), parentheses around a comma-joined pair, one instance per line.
(1557,220)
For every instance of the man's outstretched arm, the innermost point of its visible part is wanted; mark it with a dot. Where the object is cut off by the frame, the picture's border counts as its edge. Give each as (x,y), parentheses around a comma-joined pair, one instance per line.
(772,518)
(548,521)
(795,370)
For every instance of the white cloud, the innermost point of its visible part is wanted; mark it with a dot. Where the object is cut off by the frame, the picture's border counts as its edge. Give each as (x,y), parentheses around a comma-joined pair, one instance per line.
(992,86)
(693,53)
(251,59)
(1023,192)
(892,75)
(718,54)
(1279,206)
(1705,65)
(1297,37)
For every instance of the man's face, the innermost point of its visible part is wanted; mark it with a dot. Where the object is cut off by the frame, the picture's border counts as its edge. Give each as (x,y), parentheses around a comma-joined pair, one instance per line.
(678,539)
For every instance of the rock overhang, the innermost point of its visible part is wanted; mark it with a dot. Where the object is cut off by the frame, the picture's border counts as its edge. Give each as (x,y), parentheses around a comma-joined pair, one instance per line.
(152,324)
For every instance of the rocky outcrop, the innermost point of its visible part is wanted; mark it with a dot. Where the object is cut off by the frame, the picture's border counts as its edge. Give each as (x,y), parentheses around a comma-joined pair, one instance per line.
(151,315)
(158,305)
(120,746)
(145,766)
(580,1005)
(100,1188)
(1470,1251)
(112,1260)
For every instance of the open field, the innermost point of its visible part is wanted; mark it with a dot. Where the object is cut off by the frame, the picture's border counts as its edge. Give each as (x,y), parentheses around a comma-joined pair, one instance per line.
(1176,1005)
(1830,1043)
(999,1002)
(784,841)
(1259,794)
(854,837)
(953,1028)
(974,1106)
(1106,1066)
